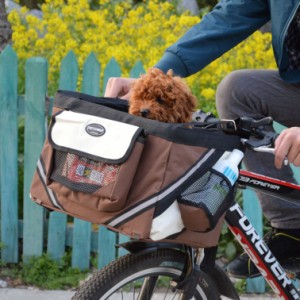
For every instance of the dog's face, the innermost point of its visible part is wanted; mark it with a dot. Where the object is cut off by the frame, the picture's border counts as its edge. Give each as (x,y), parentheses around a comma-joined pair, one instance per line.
(162,97)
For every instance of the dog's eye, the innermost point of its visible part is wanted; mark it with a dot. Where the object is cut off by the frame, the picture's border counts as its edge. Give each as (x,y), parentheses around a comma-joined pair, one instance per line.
(159,100)
(169,88)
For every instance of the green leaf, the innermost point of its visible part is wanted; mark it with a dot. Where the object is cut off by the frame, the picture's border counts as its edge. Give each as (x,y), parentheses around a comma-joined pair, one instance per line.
(230,250)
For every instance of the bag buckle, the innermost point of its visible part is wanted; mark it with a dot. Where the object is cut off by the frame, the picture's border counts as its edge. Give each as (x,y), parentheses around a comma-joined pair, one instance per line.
(228,125)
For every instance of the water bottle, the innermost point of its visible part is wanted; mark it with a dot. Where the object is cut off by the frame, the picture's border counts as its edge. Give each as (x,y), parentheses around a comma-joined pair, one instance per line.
(228,165)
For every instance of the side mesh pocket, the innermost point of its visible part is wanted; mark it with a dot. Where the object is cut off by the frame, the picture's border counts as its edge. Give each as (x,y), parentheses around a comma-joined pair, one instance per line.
(204,201)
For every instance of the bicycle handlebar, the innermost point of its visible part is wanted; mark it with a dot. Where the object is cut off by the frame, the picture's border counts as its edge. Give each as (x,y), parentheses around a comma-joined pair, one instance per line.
(252,132)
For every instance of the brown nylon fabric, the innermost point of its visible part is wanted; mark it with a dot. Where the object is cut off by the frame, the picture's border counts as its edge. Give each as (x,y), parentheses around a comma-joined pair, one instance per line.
(149,169)
(199,239)
(193,218)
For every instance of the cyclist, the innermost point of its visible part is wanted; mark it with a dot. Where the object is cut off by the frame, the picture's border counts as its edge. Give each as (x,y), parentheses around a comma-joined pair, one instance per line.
(253,93)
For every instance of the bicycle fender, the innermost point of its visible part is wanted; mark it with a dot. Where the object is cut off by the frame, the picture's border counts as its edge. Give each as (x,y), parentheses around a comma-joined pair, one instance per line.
(223,283)
(145,246)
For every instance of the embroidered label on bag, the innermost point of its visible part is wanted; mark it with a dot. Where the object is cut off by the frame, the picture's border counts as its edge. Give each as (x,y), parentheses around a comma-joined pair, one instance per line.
(83,170)
(95,130)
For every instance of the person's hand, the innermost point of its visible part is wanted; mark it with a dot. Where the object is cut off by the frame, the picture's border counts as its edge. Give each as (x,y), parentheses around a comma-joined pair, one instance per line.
(118,87)
(287,145)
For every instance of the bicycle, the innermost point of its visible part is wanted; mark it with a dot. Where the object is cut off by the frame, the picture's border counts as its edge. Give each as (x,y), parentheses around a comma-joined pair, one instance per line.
(151,270)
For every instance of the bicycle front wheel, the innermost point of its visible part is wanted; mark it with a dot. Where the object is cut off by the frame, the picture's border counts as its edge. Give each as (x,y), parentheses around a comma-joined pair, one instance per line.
(143,276)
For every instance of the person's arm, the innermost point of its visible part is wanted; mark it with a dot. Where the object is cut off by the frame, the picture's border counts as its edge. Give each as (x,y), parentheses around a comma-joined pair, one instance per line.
(230,22)
(288,145)
(225,26)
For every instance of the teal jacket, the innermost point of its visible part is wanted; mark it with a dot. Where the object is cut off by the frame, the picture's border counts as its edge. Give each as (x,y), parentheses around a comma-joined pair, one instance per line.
(229,23)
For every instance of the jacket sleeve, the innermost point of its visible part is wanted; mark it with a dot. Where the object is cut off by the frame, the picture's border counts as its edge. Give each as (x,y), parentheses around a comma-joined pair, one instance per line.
(230,22)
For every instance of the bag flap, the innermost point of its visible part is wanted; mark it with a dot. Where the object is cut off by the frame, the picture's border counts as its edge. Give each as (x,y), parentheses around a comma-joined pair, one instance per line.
(94,137)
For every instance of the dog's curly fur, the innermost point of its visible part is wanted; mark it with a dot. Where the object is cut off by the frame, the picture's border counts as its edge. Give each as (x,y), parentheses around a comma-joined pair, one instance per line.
(162,97)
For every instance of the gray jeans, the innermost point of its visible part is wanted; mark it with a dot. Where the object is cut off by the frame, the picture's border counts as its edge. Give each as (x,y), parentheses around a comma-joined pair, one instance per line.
(260,93)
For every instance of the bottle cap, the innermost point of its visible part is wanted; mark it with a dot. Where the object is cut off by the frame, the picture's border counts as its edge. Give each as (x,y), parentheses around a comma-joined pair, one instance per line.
(236,156)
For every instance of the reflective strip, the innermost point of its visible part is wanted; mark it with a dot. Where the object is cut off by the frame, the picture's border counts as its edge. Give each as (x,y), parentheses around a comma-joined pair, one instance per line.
(50,193)
(132,212)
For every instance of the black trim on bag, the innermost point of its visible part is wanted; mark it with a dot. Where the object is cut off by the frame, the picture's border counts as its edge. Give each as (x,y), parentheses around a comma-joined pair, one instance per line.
(51,194)
(154,200)
(178,133)
(138,137)
(162,206)
(115,103)
(76,186)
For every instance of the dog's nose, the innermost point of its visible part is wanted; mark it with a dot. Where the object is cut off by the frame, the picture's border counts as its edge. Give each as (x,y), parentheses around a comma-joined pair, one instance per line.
(144,112)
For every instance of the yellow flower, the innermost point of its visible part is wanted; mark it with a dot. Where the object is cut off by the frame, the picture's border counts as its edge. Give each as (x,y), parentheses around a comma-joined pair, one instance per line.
(104,2)
(119,11)
(128,34)
(208,93)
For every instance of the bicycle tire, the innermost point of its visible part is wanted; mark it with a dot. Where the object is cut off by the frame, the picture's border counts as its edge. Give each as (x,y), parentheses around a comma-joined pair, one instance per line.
(111,282)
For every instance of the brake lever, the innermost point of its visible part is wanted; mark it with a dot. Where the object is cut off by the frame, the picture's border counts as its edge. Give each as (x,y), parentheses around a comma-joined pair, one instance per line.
(266,149)
(267,140)
(246,126)
(262,122)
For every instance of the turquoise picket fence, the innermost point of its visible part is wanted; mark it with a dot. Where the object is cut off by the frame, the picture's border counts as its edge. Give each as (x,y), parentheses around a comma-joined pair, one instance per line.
(38,231)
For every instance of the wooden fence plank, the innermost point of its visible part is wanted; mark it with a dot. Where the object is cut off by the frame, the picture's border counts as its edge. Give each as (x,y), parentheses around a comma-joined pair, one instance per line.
(57,229)
(112,69)
(82,234)
(35,92)
(82,229)
(69,72)
(137,70)
(91,76)
(106,247)
(253,211)
(107,239)
(9,155)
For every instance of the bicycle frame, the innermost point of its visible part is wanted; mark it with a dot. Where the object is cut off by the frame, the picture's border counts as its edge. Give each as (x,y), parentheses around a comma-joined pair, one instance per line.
(271,186)
(248,238)
(251,241)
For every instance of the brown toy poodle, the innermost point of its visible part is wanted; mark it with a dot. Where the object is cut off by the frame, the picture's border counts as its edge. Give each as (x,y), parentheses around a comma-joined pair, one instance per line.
(162,97)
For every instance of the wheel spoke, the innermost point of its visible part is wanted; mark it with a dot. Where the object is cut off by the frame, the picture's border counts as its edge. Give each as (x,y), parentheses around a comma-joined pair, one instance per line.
(147,288)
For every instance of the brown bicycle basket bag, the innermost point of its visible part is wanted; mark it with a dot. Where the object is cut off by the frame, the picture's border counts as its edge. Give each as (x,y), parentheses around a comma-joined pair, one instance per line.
(139,177)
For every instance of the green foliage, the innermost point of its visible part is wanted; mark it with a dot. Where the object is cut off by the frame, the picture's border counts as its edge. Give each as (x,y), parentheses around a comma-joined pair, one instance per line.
(45,273)
(1,247)
(207,3)
(228,247)
(240,286)
(9,271)
(31,4)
